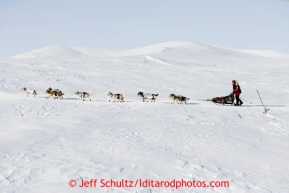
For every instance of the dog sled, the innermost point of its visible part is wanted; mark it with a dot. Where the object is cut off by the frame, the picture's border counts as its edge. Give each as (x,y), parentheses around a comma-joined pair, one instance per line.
(224,100)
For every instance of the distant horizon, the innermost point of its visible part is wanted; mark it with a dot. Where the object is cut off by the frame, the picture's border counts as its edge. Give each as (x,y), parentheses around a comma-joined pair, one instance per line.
(187,48)
(90,47)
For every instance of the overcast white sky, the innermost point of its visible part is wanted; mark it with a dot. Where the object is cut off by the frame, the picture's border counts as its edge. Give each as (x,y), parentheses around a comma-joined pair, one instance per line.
(124,24)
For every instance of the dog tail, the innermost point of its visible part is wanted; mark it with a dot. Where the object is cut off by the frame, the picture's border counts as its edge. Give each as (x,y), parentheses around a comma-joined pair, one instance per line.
(188,98)
(155,95)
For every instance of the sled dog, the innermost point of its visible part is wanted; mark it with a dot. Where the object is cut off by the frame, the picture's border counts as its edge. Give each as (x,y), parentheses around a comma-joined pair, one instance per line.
(179,99)
(54,93)
(147,96)
(115,97)
(83,95)
(28,91)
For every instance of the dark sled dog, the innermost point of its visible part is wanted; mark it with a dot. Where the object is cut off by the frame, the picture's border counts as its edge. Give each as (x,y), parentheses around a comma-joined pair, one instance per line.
(179,99)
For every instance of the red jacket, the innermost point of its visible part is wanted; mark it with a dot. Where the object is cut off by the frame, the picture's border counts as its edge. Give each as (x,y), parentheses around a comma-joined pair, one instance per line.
(237,90)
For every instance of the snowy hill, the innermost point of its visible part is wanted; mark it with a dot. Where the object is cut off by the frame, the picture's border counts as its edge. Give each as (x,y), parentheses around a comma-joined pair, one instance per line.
(45,143)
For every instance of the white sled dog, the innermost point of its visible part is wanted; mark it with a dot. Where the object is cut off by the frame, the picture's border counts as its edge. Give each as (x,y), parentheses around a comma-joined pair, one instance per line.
(54,93)
(179,99)
(83,95)
(147,96)
(115,97)
(28,91)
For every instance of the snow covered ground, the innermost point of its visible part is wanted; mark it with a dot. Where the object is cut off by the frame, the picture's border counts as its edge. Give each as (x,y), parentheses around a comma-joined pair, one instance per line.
(45,143)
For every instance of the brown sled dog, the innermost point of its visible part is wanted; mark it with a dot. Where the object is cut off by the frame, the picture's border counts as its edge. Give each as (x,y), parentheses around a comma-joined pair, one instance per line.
(56,93)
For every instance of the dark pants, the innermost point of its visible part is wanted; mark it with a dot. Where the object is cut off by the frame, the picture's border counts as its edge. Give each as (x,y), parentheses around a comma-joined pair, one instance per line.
(238,100)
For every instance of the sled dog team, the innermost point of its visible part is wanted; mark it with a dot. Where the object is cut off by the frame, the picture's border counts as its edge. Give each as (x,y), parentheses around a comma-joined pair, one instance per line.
(146,97)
